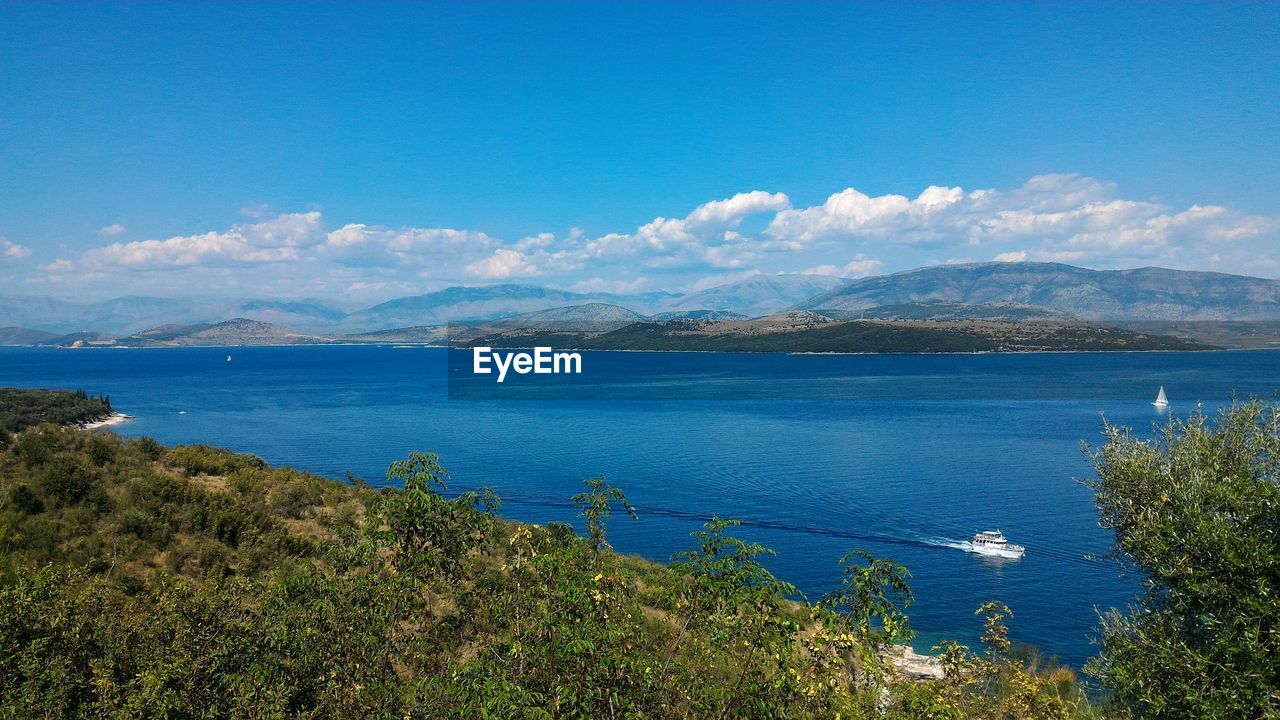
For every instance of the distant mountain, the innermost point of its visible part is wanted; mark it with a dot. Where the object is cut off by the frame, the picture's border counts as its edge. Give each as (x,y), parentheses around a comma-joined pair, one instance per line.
(1106,295)
(428,335)
(698,315)
(942,310)
(294,313)
(1004,291)
(461,303)
(589,317)
(168,333)
(240,331)
(87,338)
(118,315)
(758,295)
(124,315)
(23,336)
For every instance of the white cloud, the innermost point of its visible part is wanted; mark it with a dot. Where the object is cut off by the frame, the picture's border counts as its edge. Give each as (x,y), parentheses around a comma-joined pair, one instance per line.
(707,238)
(360,244)
(1068,216)
(112,229)
(503,263)
(276,240)
(1061,217)
(861,266)
(853,213)
(12,250)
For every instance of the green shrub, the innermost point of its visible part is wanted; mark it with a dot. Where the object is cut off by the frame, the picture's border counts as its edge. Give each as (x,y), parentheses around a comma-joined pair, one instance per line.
(67,479)
(23,499)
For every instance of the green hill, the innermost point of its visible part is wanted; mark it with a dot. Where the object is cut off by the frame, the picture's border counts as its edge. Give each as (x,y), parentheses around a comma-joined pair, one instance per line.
(146,581)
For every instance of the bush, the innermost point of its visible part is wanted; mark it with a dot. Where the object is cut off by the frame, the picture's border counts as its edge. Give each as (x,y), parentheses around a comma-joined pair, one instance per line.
(149,448)
(24,499)
(66,478)
(1197,511)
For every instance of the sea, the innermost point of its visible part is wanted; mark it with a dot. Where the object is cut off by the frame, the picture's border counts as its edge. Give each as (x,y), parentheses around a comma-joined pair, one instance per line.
(906,456)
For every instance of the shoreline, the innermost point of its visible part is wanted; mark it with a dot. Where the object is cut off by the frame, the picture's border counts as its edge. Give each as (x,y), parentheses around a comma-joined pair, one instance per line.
(113,419)
(409,345)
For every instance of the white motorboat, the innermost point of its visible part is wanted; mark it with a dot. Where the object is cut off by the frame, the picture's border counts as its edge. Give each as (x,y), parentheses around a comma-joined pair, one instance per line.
(993,542)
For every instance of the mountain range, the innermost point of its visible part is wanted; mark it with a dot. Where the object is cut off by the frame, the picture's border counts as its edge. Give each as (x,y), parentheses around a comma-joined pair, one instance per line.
(1101,295)
(999,291)
(754,296)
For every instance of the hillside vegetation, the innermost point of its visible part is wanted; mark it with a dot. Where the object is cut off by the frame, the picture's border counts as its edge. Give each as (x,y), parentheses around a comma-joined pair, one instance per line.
(145,581)
(23,407)
(824,335)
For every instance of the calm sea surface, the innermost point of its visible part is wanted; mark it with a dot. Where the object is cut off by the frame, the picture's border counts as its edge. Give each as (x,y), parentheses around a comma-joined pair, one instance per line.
(901,455)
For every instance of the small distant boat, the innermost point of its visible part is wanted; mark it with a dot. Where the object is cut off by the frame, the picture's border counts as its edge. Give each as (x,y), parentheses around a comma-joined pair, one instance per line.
(182,412)
(993,542)
(228,358)
(1161,401)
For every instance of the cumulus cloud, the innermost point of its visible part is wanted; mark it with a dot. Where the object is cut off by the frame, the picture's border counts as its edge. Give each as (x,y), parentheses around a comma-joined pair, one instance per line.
(1070,217)
(112,229)
(360,244)
(1060,217)
(705,238)
(504,263)
(12,250)
(275,240)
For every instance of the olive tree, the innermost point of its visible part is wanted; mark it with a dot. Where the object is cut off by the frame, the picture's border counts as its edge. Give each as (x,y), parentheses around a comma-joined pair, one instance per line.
(1196,509)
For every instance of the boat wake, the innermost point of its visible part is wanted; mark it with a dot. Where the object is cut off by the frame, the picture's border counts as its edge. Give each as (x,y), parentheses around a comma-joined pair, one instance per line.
(948,543)
(901,537)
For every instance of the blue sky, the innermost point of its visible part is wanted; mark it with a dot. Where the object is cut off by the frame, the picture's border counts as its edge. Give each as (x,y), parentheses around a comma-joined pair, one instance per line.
(366,151)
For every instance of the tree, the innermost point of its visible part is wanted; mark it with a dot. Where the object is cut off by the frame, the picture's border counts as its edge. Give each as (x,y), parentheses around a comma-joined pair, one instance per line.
(1197,510)
(427,530)
(874,590)
(596,505)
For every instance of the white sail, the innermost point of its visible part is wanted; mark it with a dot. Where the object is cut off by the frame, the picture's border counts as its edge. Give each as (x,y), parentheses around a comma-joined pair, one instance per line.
(1161,400)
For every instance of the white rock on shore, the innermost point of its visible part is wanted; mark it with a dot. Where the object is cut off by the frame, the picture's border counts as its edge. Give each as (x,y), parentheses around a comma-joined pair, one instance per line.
(115,419)
(912,664)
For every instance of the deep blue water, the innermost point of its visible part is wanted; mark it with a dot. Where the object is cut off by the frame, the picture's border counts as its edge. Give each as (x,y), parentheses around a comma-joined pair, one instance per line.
(901,455)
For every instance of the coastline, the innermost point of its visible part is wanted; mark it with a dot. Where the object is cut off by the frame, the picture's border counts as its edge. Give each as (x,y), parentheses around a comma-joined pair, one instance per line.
(113,419)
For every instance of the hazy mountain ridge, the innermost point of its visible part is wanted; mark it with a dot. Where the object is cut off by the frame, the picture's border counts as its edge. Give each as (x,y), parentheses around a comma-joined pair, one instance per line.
(589,317)
(760,294)
(1000,291)
(23,336)
(942,310)
(1099,295)
(125,315)
(461,303)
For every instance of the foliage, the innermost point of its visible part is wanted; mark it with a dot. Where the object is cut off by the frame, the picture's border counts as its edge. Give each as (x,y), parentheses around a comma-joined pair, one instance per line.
(21,408)
(596,505)
(1197,510)
(143,581)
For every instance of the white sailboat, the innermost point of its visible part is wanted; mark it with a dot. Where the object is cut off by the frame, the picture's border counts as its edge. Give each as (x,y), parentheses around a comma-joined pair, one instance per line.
(1161,401)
